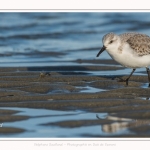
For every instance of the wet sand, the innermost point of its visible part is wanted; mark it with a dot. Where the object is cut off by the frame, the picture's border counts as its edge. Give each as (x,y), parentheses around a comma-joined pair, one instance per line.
(62,88)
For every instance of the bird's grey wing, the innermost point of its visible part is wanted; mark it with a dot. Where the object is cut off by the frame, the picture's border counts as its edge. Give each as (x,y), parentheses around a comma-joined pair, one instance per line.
(125,36)
(140,43)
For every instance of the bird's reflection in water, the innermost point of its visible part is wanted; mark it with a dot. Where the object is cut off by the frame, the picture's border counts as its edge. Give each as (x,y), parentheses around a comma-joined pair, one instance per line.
(119,123)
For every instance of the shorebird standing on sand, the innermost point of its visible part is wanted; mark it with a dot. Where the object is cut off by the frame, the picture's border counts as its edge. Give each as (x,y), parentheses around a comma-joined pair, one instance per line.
(131,50)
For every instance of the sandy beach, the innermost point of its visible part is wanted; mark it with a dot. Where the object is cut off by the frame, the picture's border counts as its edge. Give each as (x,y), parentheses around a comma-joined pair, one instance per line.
(66,88)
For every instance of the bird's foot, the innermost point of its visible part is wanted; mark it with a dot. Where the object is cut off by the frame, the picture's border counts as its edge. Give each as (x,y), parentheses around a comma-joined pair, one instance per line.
(123,80)
(120,79)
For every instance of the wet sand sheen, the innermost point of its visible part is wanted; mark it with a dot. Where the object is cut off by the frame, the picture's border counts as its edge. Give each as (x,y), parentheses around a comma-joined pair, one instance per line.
(60,88)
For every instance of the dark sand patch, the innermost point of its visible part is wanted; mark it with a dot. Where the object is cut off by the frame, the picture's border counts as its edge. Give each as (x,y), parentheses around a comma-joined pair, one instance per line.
(11,130)
(80,123)
(7,112)
(8,118)
(97,61)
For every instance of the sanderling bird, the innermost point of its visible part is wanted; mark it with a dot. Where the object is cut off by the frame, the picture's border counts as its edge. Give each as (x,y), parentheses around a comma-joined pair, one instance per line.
(131,50)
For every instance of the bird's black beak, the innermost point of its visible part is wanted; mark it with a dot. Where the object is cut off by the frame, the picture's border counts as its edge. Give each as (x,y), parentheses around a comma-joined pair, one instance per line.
(102,49)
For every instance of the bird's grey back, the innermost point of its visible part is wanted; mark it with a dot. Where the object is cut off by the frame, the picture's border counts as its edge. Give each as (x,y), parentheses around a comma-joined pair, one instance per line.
(140,43)
(125,36)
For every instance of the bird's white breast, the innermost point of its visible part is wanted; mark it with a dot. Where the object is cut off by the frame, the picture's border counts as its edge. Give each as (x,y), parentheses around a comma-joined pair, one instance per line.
(127,57)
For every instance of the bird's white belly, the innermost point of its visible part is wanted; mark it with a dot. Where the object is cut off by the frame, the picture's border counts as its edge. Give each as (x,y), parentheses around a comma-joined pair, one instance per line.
(131,61)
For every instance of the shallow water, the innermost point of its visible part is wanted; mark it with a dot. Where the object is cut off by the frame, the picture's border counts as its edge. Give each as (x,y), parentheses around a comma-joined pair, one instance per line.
(34,125)
(63,39)
(41,116)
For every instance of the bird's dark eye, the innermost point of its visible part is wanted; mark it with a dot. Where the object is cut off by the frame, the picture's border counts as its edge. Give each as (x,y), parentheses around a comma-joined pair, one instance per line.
(110,41)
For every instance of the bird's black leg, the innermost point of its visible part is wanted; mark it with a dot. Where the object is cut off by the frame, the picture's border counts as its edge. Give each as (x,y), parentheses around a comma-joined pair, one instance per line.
(148,73)
(129,76)
(127,79)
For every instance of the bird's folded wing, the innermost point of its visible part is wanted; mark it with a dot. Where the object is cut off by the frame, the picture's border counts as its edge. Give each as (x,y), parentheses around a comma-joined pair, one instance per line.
(140,43)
